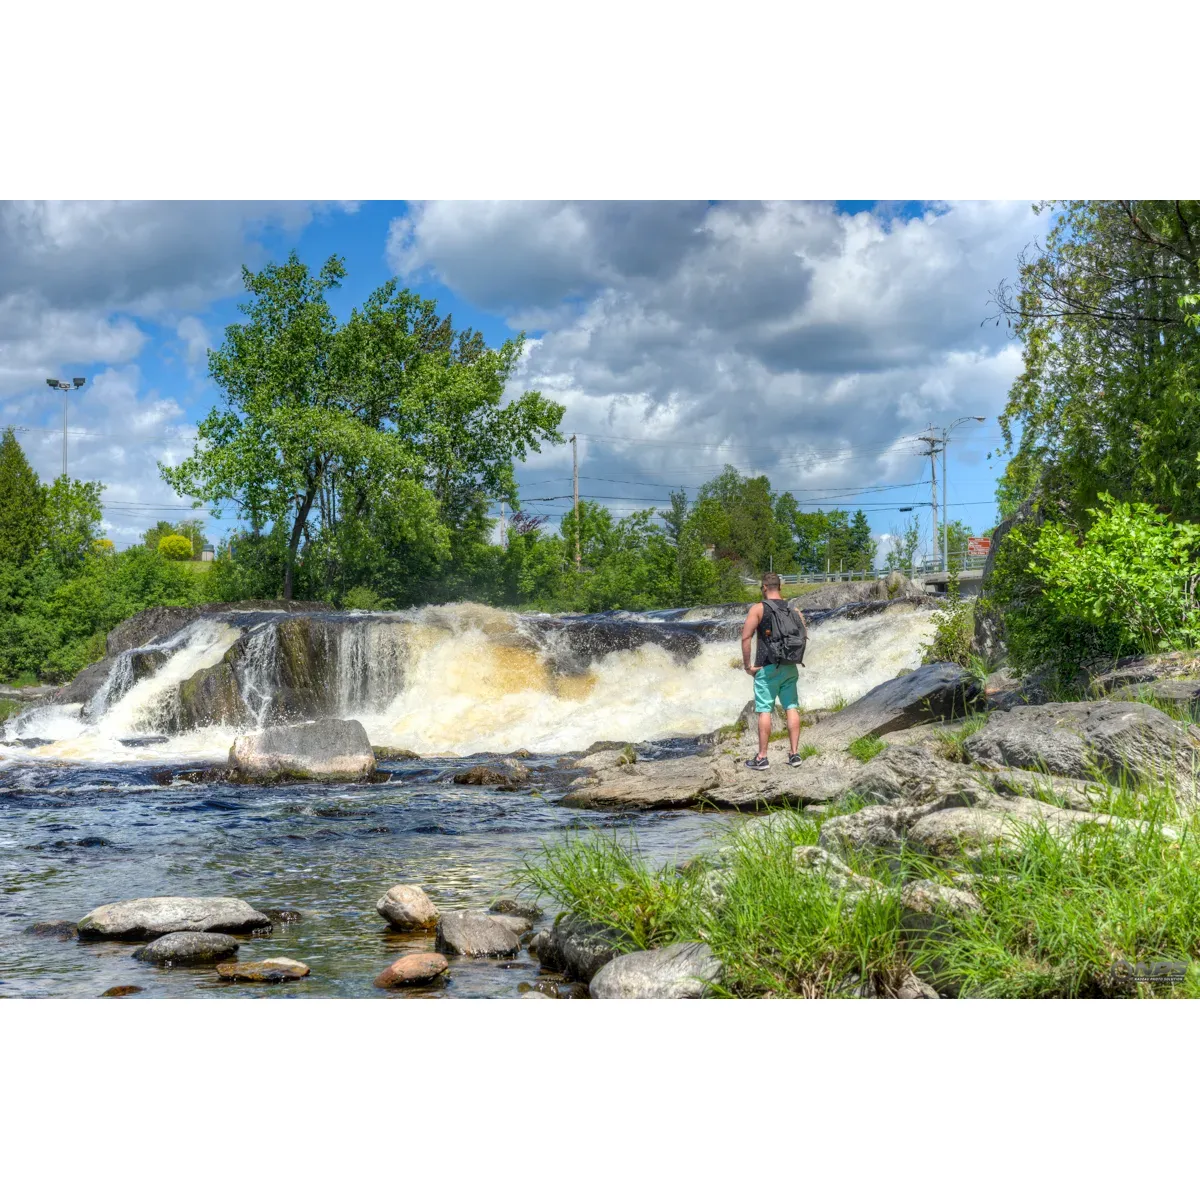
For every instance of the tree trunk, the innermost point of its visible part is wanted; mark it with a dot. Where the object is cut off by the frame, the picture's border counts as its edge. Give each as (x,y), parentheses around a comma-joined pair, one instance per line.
(297,529)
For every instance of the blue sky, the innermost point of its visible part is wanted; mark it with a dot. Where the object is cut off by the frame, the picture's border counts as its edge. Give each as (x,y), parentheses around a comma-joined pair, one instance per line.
(809,341)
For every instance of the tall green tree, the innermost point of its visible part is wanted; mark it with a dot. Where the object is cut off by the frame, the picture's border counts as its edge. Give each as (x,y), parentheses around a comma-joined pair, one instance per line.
(321,421)
(1108,397)
(22,504)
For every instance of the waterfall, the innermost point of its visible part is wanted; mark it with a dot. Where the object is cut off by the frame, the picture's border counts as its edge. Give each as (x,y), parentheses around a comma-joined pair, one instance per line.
(460,678)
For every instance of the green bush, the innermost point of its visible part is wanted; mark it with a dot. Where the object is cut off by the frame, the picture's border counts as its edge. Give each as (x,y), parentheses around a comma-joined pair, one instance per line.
(953,627)
(176,547)
(364,598)
(1072,598)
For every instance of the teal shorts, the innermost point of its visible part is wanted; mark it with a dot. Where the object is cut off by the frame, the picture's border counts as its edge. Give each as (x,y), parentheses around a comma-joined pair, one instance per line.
(776,682)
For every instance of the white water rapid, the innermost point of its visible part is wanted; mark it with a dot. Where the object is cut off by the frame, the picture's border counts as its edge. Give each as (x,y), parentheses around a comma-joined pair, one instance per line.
(459,679)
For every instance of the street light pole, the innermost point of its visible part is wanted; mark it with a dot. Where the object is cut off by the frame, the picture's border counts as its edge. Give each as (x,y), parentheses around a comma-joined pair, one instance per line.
(945,511)
(66,388)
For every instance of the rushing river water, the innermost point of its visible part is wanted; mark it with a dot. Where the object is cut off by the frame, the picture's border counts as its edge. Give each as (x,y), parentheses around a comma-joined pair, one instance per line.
(85,818)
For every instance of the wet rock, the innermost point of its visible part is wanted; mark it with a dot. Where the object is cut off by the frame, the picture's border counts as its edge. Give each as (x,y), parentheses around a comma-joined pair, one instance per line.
(535,996)
(394,754)
(1084,739)
(518,925)
(412,969)
(211,697)
(327,749)
(184,949)
(505,775)
(270,970)
(407,907)
(576,947)
(62,930)
(538,943)
(516,906)
(86,684)
(683,971)
(143,920)
(939,691)
(284,916)
(127,989)
(475,935)
(546,986)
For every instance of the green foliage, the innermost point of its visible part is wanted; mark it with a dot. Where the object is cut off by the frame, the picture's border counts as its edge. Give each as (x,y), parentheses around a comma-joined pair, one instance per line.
(865,748)
(22,504)
(175,547)
(1073,598)
(953,626)
(1107,397)
(326,425)
(364,598)
(950,745)
(903,548)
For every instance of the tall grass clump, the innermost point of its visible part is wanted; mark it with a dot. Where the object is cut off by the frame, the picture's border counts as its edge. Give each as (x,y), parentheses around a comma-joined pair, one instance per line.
(865,748)
(950,743)
(1061,914)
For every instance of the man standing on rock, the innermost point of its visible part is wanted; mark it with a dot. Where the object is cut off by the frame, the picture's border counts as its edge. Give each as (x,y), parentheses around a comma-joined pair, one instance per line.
(782,636)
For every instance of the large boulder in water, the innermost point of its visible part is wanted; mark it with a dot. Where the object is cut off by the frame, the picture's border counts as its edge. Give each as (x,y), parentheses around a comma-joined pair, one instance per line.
(683,971)
(327,749)
(938,691)
(141,920)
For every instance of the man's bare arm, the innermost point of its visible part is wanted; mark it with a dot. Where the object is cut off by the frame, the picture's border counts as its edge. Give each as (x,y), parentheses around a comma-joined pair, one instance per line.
(752,619)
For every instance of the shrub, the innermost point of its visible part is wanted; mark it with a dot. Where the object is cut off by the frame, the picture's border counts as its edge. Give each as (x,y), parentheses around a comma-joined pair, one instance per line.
(865,748)
(1126,585)
(953,627)
(364,598)
(175,546)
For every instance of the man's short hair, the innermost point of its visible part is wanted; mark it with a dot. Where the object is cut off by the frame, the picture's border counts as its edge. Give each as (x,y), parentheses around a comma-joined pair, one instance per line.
(771,581)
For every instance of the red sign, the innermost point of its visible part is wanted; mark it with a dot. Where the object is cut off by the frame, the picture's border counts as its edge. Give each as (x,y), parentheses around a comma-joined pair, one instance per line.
(978,547)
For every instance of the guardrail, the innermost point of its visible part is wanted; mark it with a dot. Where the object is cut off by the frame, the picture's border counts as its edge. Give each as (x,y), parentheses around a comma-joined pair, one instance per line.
(927,566)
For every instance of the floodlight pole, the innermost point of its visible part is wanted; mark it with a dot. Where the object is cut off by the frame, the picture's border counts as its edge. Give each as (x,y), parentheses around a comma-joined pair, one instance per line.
(66,388)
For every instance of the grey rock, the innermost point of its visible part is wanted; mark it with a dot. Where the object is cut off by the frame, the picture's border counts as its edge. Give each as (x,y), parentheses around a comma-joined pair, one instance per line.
(913,988)
(671,783)
(475,935)
(576,947)
(510,921)
(913,774)
(270,970)
(748,719)
(535,995)
(1141,669)
(934,692)
(817,861)
(62,930)
(876,828)
(926,914)
(538,942)
(516,906)
(86,684)
(683,971)
(146,919)
(327,749)
(406,906)
(183,949)
(1068,793)
(211,697)
(1085,739)
(1184,692)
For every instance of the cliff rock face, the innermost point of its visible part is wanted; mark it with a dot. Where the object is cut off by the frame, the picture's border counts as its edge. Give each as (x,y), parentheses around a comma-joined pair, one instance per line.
(155,624)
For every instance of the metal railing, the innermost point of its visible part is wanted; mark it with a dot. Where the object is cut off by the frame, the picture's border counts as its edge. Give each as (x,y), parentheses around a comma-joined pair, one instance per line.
(930,565)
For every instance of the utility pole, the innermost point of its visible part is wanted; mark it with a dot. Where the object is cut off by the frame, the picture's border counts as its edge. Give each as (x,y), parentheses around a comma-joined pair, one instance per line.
(945,508)
(935,443)
(575,480)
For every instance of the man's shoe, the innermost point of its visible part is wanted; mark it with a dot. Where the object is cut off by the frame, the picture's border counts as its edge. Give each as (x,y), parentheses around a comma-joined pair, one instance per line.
(757,763)
(794,760)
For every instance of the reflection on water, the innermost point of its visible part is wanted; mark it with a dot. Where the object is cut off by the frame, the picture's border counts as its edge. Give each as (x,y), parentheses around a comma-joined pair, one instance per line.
(73,837)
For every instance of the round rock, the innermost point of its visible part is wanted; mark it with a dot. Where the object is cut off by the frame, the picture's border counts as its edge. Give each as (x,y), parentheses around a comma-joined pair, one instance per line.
(412,969)
(184,949)
(517,907)
(407,907)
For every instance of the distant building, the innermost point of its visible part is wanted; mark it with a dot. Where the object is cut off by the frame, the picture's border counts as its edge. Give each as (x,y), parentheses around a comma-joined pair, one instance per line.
(710,552)
(207,553)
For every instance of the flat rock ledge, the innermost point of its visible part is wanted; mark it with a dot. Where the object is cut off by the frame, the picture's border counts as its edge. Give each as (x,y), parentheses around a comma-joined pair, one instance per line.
(185,949)
(412,970)
(270,970)
(406,907)
(683,971)
(475,935)
(328,749)
(146,919)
